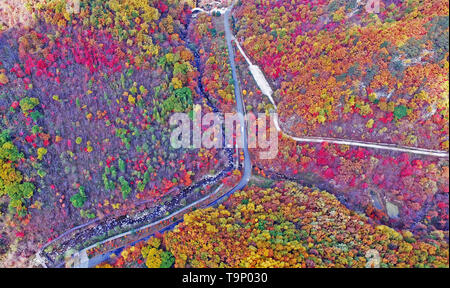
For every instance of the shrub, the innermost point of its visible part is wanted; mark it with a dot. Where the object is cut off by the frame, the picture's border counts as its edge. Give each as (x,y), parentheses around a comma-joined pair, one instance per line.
(27,104)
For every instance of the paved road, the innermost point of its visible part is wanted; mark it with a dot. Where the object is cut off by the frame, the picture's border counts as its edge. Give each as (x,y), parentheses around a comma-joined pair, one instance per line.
(239,104)
(247,165)
(247,162)
(262,83)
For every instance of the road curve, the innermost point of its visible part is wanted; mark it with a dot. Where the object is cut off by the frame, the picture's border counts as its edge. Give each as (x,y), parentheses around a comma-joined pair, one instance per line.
(247,162)
(239,104)
(247,165)
(262,83)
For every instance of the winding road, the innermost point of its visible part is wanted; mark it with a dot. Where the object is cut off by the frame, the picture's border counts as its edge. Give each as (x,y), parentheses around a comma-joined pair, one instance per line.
(81,260)
(264,86)
(239,104)
(247,162)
